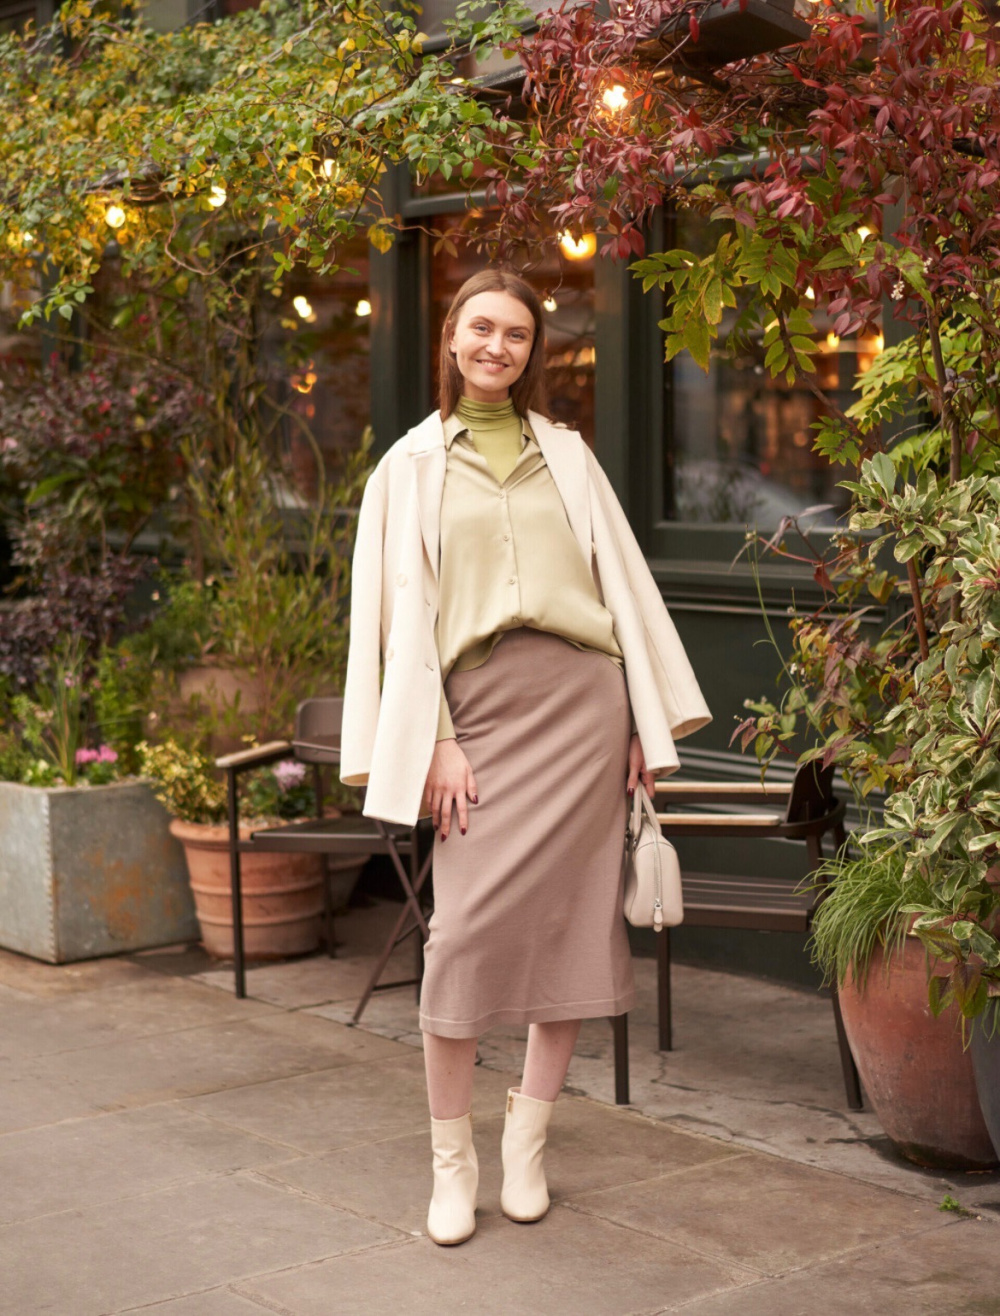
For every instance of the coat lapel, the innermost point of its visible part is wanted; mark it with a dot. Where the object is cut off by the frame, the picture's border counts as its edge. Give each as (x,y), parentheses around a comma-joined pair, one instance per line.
(426,446)
(566,459)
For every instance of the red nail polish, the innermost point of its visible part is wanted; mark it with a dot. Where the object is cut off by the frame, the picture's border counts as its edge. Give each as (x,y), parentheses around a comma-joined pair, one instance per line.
(631,790)
(444,837)
(475,799)
(464,830)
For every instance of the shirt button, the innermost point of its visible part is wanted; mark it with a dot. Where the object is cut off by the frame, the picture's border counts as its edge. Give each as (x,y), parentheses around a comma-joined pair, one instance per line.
(401,579)
(503,493)
(512,581)
(505,538)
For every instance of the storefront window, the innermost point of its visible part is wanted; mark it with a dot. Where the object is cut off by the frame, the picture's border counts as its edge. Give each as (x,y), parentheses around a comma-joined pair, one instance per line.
(317,345)
(739,444)
(566,284)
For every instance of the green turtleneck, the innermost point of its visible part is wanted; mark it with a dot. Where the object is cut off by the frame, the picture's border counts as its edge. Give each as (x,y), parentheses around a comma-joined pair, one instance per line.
(496,431)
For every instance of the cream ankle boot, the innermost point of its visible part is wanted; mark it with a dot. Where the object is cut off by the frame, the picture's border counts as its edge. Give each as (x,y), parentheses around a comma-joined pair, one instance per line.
(524,1196)
(451,1217)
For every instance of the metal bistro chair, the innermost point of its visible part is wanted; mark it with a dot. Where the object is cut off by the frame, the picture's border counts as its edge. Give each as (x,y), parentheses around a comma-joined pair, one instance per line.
(317,741)
(767,904)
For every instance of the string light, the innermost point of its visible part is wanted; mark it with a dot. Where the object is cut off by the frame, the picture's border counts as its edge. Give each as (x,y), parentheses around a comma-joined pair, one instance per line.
(864,232)
(330,168)
(218,196)
(615,97)
(303,309)
(550,304)
(832,342)
(363,308)
(578,248)
(114,216)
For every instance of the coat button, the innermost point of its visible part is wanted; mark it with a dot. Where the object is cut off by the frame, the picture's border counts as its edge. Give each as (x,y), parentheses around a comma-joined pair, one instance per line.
(401,579)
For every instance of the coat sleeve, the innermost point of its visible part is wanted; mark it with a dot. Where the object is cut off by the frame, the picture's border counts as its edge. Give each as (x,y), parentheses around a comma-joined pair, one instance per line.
(683,701)
(362,689)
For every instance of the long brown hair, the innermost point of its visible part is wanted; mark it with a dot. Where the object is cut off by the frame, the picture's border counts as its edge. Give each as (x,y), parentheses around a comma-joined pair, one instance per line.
(528,392)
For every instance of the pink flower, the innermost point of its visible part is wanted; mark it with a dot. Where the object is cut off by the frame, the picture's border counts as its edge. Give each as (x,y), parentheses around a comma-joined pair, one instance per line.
(84,756)
(289,773)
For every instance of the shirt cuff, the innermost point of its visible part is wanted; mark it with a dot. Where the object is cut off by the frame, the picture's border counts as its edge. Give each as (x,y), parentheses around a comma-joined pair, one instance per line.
(446,728)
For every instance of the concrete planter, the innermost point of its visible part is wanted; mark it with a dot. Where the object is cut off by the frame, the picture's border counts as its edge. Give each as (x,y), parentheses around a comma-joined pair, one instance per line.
(88,871)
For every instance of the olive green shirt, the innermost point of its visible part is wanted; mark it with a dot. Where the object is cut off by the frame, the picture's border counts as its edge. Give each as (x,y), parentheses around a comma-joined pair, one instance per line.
(508,555)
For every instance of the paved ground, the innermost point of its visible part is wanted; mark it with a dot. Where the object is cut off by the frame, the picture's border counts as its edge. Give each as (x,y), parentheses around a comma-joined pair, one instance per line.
(165,1147)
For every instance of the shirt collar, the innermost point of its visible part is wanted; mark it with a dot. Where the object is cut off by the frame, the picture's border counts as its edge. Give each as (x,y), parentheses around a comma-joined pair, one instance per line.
(453,427)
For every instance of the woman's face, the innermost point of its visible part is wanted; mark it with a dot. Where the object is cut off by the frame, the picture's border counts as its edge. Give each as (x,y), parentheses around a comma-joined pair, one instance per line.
(492,342)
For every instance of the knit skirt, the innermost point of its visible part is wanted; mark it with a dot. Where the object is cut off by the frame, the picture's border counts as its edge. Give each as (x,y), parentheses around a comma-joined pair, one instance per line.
(527,924)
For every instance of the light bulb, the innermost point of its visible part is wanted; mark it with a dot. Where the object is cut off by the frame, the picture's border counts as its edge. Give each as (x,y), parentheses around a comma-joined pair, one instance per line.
(578,248)
(114,216)
(303,308)
(832,342)
(550,304)
(218,196)
(330,168)
(615,97)
(864,232)
(363,308)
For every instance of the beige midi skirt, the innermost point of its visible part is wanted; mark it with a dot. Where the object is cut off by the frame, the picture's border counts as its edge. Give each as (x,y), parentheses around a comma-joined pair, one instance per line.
(527,924)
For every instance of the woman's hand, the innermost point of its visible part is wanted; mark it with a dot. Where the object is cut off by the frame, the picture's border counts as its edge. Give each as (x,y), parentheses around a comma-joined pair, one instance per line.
(637,767)
(450,781)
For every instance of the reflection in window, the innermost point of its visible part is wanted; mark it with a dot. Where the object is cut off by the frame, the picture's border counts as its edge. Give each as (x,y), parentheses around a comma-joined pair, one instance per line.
(317,349)
(739,444)
(567,289)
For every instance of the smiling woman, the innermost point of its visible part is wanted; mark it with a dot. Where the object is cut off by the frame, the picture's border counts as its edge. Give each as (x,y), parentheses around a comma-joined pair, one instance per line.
(498,585)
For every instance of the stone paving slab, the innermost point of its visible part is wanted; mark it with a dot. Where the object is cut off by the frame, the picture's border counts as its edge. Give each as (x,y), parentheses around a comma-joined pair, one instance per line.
(35,978)
(112,1014)
(210,1302)
(760,1212)
(85,1162)
(566,1265)
(319,1112)
(169,1244)
(176,1064)
(949,1272)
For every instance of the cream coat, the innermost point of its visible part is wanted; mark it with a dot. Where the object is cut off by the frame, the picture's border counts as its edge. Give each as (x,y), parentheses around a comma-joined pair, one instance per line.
(390,724)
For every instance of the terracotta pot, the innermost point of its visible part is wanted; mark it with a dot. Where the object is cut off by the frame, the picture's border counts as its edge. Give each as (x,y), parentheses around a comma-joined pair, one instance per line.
(282,895)
(917,1075)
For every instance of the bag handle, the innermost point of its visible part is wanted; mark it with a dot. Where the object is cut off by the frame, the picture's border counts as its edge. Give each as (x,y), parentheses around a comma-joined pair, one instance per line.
(642,803)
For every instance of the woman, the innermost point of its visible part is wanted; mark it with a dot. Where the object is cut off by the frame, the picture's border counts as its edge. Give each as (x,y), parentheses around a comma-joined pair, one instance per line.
(497,581)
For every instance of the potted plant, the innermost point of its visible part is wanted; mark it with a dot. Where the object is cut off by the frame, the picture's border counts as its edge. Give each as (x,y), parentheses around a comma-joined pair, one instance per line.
(282,893)
(87,864)
(919,1078)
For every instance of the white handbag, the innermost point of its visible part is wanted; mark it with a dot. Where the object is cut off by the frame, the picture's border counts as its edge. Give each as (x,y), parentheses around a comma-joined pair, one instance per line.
(652,872)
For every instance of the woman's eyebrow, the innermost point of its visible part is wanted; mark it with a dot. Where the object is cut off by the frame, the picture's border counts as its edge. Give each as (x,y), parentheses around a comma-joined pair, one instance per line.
(485,319)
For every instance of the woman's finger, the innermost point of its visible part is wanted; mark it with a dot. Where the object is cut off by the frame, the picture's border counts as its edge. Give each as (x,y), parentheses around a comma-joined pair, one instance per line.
(436,808)
(471,789)
(633,777)
(463,812)
(446,803)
